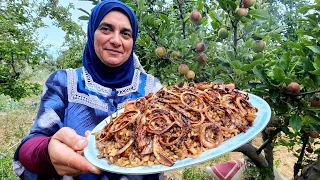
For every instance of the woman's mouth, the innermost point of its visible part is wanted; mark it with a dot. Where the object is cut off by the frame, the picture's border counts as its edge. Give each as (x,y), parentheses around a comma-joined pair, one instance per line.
(113,51)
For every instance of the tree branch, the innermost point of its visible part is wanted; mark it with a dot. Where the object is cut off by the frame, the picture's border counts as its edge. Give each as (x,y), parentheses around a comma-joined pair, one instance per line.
(269,140)
(235,32)
(13,65)
(181,17)
(242,36)
(268,151)
(153,38)
(310,92)
(235,35)
(251,151)
(298,164)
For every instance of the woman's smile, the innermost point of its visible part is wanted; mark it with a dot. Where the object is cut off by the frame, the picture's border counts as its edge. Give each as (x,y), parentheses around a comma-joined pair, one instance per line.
(113,51)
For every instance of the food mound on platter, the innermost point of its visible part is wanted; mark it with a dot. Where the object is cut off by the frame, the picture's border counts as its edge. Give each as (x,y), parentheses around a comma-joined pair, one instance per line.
(174,124)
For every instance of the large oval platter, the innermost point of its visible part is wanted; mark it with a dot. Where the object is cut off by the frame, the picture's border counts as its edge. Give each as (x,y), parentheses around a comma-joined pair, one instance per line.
(262,119)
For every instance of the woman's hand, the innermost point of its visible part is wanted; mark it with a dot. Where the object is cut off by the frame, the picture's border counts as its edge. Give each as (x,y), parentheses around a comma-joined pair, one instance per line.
(65,149)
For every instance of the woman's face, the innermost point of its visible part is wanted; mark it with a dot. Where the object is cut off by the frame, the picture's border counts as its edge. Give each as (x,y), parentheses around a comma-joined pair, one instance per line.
(113,39)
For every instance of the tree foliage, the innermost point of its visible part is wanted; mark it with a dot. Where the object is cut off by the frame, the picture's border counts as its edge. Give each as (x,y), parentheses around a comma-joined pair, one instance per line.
(74,40)
(290,31)
(287,32)
(19,47)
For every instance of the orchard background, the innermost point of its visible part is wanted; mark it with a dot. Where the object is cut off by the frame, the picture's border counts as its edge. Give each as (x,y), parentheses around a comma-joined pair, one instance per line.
(270,48)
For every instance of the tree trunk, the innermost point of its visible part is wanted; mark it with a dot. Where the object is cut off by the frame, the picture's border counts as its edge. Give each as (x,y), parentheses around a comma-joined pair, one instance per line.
(268,155)
(311,172)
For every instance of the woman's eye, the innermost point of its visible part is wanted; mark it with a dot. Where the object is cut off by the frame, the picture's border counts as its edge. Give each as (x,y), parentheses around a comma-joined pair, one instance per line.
(126,34)
(105,29)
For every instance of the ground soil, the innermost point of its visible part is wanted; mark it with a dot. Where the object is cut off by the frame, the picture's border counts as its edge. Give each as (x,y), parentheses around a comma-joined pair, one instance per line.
(284,161)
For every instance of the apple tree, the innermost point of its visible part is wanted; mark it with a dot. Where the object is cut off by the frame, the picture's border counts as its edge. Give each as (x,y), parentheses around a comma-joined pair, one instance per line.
(21,47)
(243,42)
(18,48)
(266,47)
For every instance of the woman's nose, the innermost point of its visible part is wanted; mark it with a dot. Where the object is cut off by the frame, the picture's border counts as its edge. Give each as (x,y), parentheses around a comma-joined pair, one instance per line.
(115,40)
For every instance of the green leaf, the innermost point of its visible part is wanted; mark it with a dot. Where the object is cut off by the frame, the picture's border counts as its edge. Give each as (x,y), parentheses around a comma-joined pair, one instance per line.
(315,72)
(306,8)
(236,64)
(245,20)
(279,74)
(277,37)
(186,17)
(84,11)
(200,5)
(248,42)
(314,109)
(264,86)
(281,108)
(316,63)
(84,18)
(239,72)
(314,118)
(317,151)
(295,122)
(293,44)
(299,52)
(260,72)
(214,25)
(315,127)
(214,15)
(307,82)
(248,67)
(141,5)
(315,49)
(145,19)
(165,18)
(258,56)
(232,4)
(223,4)
(259,14)
(230,55)
(274,95)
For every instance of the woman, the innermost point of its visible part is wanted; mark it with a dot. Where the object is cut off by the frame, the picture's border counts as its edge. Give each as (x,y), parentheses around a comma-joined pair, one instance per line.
(76,100)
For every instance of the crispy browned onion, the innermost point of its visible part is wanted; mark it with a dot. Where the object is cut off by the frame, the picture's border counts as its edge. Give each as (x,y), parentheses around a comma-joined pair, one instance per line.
(210,135)
(124,120)
(192,101)
(175,123)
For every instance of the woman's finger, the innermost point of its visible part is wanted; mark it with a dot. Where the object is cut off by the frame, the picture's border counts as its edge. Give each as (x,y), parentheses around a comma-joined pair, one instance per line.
(80,162)
(87,133)
(62,155)
(69,137)
(69,171)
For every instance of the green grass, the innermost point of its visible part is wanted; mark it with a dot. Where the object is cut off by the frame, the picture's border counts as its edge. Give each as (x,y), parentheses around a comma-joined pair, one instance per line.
(5,168)
(16,119)
(198,172)
(194,173)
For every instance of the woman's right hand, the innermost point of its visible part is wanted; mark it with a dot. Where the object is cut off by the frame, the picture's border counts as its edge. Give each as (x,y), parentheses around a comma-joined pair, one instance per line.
(64,148)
